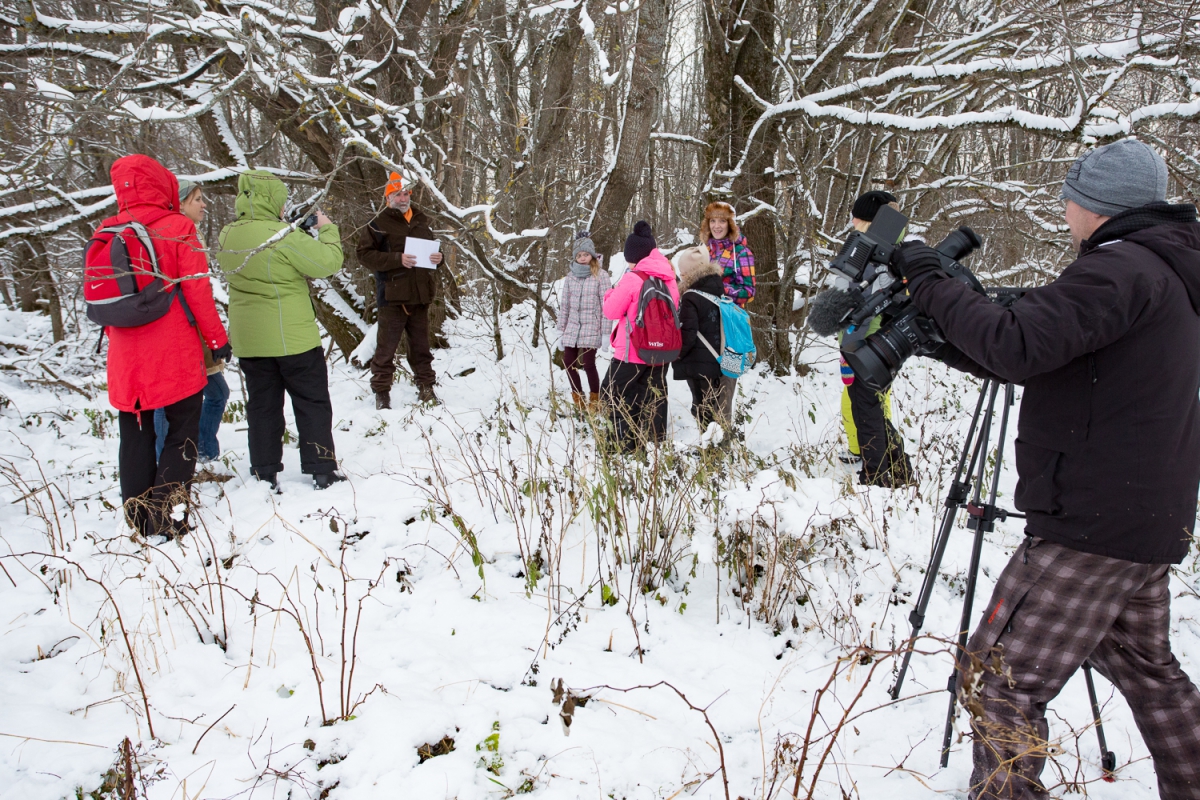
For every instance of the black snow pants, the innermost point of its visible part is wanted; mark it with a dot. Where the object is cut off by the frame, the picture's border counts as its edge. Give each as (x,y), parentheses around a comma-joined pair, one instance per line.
(152,488)
(305,380)
(884,460)
(636,396)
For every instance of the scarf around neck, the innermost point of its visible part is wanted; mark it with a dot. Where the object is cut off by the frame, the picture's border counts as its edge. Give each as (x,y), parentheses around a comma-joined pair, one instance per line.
(581,270)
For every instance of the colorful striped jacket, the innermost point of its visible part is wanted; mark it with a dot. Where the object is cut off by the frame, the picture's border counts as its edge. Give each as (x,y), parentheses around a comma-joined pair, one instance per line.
(737,265)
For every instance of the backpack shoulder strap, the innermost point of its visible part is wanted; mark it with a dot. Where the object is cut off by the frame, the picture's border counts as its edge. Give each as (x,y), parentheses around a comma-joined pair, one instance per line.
(146,239)
(187,310)
(143,235)
(710,298)
(704,341)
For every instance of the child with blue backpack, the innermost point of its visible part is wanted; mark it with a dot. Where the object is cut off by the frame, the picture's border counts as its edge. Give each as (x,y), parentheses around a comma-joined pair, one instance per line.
(700,287)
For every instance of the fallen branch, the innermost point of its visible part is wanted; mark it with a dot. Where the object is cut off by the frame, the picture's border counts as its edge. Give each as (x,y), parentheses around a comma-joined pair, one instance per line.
(210,727)
(702,710)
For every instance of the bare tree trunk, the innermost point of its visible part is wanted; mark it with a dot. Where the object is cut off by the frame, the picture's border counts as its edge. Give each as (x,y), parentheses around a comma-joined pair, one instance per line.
(740,46)
(641,111)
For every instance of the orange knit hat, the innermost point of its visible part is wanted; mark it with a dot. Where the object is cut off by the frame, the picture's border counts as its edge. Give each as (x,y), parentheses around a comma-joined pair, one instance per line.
(395,184)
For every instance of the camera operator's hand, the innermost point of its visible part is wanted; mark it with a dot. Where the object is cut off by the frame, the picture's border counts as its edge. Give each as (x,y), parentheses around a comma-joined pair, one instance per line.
(915,262)
(322,220)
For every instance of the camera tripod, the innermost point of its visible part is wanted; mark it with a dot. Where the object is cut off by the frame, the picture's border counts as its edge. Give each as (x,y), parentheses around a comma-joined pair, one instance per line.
(983,517)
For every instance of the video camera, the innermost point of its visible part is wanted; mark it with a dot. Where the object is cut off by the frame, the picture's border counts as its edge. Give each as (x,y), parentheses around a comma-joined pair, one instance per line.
(866,263)
(303,220)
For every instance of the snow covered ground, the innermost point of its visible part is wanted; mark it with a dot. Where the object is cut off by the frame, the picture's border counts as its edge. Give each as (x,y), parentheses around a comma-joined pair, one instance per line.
(481,554)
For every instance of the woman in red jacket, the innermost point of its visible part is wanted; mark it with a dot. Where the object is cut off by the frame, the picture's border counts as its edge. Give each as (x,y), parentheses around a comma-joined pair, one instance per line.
(161,364)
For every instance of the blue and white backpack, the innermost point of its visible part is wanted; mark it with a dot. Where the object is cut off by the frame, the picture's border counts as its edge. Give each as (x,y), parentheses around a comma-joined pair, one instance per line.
(737,352)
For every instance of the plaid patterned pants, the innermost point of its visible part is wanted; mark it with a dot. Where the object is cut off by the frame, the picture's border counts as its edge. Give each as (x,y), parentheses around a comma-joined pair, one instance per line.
(1054,608)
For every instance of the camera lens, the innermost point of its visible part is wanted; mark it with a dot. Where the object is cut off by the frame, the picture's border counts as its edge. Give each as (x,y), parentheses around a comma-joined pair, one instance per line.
(877,359)
(869,367)
(959,244)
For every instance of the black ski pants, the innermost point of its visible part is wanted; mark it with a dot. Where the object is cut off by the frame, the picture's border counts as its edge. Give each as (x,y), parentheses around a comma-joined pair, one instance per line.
(151,486)
(304,378)
(712,400)
(879,443)
(636,396)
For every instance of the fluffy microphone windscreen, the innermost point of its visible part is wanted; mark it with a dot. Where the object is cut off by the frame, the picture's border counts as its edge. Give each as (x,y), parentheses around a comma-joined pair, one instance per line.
(827,311)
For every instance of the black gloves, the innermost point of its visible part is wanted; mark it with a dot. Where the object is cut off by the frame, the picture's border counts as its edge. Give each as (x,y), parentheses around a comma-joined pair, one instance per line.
(223,353)
(915,262)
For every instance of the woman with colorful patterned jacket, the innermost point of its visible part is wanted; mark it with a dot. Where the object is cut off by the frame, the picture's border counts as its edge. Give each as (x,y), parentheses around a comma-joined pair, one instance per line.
(726,246)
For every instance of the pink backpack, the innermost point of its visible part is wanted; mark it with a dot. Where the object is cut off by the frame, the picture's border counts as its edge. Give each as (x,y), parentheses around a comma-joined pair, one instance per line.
(654,334)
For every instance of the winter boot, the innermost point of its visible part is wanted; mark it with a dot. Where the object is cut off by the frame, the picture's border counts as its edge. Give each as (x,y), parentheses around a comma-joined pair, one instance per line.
(271,479)
(577,399)
(894,475)
(594,403)
(383,400)
(327,479)
(425,395)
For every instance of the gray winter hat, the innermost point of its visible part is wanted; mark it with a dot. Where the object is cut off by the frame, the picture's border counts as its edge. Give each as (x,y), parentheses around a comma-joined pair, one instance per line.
(185,188)
(1117,177)
(584,244)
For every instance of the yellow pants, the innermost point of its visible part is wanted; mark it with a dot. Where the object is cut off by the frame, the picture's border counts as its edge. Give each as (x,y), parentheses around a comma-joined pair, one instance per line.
(848,417)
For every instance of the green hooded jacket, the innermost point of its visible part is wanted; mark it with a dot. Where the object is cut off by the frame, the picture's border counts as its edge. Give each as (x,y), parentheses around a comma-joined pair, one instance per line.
(270,312)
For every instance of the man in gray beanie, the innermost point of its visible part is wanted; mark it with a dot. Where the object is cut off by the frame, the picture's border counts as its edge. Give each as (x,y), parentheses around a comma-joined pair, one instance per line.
(1108,466)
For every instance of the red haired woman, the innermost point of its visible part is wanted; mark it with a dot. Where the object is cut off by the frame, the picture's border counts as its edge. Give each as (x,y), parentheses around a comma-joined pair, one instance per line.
(727,246)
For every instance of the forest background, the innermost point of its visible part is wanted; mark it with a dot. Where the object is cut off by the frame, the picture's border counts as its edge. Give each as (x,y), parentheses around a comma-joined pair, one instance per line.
(522,122)
(513,565)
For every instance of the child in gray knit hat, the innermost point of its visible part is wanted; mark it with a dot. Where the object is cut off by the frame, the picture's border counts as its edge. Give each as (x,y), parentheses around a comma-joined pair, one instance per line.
(584,245)
(581,319)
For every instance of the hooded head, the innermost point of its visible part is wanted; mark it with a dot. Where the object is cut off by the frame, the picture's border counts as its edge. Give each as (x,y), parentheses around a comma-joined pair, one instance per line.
(261,196)
(719,210)
(140,181)
(694,264)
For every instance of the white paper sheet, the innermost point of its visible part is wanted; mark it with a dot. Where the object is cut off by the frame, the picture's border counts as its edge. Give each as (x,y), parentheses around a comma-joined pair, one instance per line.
(422,249)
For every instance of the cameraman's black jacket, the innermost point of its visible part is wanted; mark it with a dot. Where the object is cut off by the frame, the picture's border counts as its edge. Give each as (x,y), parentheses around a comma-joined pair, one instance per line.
(1108,443)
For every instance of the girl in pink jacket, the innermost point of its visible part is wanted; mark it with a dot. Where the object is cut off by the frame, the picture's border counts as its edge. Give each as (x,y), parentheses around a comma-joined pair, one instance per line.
(636,392)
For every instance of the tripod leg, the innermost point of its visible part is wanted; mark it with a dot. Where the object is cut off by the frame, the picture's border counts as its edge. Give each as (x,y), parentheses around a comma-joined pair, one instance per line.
(963,627)
(917,618)
(1108,759)
(954,500)
(982,524)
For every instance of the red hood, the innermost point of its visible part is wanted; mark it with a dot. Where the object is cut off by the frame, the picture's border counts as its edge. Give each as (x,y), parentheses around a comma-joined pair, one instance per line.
(141,183)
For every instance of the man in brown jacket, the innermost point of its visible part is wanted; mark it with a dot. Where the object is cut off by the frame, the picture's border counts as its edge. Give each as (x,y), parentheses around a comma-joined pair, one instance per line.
(404,292)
